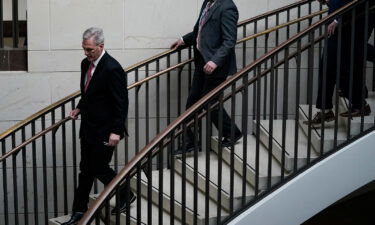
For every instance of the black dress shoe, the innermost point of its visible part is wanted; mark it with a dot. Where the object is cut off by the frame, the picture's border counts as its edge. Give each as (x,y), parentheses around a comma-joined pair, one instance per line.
(318,118)
(227,142)
(357,112)
(74,219)
(122,205)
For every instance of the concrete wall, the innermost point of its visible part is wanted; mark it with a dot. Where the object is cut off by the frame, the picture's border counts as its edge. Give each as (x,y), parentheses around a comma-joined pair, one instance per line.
(134,30)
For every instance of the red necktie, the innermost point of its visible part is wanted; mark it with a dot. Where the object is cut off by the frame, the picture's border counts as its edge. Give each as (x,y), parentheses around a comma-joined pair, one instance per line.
(88,76)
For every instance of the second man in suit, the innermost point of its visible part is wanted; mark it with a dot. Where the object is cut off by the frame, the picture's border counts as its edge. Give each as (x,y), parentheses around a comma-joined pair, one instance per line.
(214,38)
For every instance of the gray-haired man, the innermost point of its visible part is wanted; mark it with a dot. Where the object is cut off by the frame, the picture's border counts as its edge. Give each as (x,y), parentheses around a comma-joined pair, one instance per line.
(103,108)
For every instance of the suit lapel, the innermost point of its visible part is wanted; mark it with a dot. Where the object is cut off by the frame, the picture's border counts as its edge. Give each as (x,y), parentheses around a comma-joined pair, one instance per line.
(97,72)
(212,10)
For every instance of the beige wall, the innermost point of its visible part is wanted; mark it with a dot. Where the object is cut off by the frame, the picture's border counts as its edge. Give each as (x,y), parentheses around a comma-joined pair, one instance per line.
(134,30)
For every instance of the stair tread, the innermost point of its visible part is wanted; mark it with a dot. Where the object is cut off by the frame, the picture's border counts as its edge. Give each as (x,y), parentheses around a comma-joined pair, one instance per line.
(289,139)
(144,208)
(367,119)
(189,192)
(329,130)
(251,156)
(225,182)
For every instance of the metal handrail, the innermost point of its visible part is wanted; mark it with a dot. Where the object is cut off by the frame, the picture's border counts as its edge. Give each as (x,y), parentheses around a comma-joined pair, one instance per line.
(143,154)
(26,121)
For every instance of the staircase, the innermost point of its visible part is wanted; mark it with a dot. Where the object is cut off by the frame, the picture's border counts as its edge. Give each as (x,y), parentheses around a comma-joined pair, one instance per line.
(213,184)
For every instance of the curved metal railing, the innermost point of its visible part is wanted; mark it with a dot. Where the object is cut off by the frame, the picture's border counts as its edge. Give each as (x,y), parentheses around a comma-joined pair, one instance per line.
(49,148)
(268,133)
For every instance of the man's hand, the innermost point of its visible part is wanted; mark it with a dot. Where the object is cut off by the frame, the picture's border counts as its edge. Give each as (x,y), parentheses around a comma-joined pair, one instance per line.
(331,28)
(74,113)
(209,67)
(114,139)
(177,43)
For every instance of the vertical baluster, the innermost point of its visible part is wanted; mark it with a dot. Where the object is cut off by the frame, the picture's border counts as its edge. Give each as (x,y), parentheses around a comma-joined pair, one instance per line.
(35,175)
(45,185)
(244,48)
(265,67)
(257,71)
(254,58)
(285,110)
(298,90)
(244,127)
(338,76)
(139,194)
(276,70)
(232,134)
(172,184)
(183,175)
(5,184)
(351,73)
(54,176)
(179,95)
(157,100)
(147,105)
(364,63)
(208,146)
(220,155)
(64,162)
(136,108)
(24,176)
(196,149)
(168,98)
(15,185)
(149,188)
(161,180)
(271,118)
(288,27)
(310,90)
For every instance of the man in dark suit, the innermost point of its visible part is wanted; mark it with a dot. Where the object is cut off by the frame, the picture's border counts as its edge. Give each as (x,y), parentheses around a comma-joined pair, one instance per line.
(214,38)
(103,108)
(331,65)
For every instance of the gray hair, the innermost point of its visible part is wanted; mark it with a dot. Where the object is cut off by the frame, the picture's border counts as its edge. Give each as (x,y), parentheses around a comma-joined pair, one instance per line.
(96,33)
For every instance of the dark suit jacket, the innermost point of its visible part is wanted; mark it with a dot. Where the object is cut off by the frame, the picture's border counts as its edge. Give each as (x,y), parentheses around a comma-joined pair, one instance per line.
(218,36)
(104,107)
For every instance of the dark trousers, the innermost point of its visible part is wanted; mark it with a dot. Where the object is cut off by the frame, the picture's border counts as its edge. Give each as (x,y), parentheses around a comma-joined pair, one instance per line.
(94,163)
(201,85)
(358,91)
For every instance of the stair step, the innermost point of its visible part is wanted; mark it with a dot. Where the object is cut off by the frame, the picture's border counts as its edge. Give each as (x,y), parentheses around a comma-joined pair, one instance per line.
(277,149)
(251,157)
(133,212)
(355,123)
(214,176)
(316,132)
(189,193)
(58,220)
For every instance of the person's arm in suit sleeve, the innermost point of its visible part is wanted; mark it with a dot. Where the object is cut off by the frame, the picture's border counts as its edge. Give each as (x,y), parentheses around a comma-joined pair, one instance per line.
(229,35)
(119,92)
